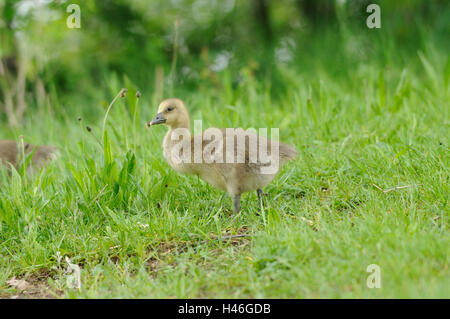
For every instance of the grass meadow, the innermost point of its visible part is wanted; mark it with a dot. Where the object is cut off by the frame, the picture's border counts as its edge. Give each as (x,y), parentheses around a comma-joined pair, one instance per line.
(370,186)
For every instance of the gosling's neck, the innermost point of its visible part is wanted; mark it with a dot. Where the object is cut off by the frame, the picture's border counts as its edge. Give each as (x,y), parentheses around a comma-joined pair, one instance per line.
(168,142)
(180,124)
(184,135)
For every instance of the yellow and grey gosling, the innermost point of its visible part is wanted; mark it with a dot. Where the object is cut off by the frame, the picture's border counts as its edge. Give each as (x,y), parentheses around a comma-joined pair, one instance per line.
(234,178)
(10,153)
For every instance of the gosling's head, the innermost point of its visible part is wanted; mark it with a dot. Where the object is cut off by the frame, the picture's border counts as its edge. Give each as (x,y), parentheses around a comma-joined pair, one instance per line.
(171,112)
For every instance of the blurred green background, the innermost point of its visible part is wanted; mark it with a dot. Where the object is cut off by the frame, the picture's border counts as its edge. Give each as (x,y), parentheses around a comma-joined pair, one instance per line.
(176,46)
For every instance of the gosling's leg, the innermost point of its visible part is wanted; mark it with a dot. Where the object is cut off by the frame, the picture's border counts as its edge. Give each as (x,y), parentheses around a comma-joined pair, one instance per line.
(260,198)
(260,193)
(236,203)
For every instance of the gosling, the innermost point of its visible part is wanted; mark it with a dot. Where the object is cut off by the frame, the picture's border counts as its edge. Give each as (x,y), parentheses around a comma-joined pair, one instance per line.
(10,153)
(234,177)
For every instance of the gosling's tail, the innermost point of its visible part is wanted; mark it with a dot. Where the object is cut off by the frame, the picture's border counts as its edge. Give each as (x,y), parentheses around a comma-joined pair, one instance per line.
(287,152)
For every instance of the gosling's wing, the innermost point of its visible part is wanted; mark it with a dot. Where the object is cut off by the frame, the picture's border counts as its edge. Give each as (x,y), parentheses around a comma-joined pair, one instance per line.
(247,148)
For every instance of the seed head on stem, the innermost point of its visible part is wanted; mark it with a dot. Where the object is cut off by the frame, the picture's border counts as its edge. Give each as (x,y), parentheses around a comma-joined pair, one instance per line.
(122,93)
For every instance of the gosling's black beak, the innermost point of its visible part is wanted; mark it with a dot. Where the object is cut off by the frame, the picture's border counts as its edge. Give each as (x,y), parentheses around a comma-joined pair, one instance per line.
(158,119)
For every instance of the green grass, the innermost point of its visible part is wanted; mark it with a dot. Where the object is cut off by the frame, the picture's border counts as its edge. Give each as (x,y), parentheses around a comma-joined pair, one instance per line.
(323,223)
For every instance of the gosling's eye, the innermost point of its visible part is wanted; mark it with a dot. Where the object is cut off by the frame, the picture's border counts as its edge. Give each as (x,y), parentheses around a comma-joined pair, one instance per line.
(170,108)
